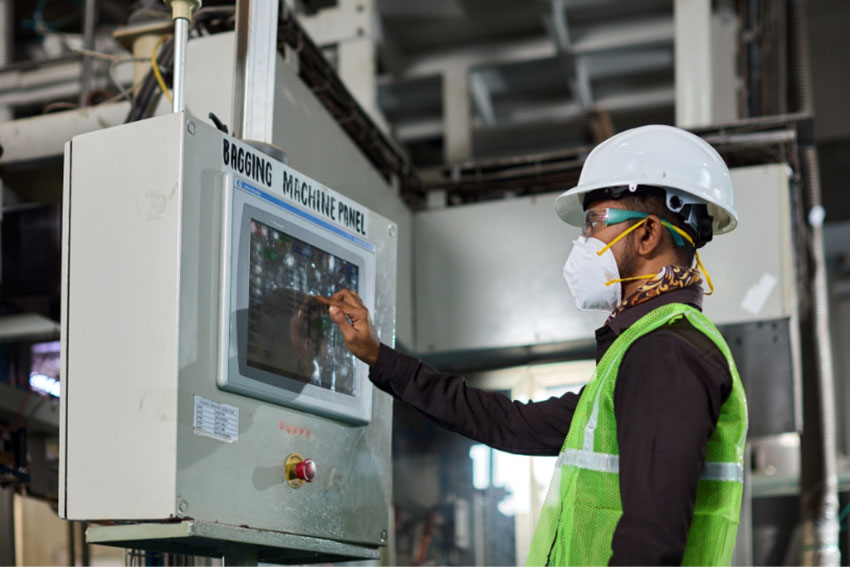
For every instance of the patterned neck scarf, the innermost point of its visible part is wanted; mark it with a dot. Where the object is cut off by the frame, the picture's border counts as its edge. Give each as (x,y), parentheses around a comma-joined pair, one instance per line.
(668,279)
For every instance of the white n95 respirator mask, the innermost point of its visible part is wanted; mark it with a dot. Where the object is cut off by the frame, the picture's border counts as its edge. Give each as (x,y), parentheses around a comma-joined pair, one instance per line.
(587,273)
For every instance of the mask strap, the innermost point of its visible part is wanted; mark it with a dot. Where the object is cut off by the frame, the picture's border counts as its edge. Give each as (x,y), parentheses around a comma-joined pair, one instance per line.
(621,235)
(707,277)
(646,277)
(612,243)
(696,254)
(633,278)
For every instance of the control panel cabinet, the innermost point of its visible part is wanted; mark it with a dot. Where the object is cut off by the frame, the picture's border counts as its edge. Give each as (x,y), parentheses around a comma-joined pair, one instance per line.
(201,379)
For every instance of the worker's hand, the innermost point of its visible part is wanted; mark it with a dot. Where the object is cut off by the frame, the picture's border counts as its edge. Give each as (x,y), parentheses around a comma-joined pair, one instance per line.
(347,310)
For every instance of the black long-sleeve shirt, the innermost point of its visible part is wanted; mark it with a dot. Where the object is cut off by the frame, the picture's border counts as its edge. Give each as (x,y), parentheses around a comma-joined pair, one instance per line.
(670,386)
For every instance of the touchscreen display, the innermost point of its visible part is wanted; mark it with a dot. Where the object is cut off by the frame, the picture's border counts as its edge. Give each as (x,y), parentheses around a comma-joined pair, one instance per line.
(289,333)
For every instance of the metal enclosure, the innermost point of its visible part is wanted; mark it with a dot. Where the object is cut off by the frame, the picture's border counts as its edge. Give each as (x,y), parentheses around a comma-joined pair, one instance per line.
(142,309)
(489,276)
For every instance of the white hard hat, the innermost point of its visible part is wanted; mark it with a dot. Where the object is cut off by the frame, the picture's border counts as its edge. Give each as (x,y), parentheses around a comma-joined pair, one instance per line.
(657,156)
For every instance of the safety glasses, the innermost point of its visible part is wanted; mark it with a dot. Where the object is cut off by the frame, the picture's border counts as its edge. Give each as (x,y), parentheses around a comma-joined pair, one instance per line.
(607,217)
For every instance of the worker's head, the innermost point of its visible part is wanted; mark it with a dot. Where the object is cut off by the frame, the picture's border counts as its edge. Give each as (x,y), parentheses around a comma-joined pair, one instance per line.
(646,199)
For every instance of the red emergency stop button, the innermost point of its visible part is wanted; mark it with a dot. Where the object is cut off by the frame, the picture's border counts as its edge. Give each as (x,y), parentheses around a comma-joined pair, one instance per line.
(298,470)
(306,470)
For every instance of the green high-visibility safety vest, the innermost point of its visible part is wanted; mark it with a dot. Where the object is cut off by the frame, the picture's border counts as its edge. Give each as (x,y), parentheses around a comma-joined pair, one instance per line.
(583,504)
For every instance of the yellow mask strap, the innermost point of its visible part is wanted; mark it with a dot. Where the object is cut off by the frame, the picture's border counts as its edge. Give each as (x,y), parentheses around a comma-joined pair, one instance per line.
(621,235)
(704,271)
(696,254)
(633,278)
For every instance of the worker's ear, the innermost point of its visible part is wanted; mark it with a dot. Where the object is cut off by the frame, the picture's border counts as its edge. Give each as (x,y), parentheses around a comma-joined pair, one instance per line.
(649,237)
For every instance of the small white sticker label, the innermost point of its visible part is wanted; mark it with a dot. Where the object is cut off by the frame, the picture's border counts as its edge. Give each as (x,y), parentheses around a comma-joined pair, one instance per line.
(216,420)
(756,296)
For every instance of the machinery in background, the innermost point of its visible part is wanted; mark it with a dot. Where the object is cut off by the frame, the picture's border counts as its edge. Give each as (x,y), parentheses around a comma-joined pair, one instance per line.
(29,359)
(207,400)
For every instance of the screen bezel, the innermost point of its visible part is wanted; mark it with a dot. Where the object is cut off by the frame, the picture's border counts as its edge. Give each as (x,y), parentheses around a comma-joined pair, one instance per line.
(244,202)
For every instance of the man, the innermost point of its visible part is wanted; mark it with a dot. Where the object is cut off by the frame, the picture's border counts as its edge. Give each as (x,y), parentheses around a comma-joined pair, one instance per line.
(650,467)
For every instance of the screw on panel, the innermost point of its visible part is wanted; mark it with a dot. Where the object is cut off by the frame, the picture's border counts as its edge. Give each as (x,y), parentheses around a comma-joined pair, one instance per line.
(383,535)
(391,230)
(190,127)
(183,506)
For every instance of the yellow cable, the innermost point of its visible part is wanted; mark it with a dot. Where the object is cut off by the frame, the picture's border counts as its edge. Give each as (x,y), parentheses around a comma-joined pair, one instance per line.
(156,72)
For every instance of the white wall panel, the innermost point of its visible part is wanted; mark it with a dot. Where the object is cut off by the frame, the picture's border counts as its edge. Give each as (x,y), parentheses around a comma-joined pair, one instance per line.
(490,275)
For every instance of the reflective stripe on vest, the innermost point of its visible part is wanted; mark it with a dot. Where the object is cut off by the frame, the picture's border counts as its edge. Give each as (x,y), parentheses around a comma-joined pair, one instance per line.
(603,462)
(588,459)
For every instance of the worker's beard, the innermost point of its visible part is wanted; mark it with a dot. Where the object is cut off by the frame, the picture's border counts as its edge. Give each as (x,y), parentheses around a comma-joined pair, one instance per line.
(628,262)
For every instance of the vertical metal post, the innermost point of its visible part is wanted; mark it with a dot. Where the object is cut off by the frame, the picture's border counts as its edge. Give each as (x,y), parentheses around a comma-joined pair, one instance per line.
(254,76)
(87,74)
(72,544)
(7,526)
(457,123)
(478,527)
(705,64)
(692,45)
(85,548)
(181,38)
(7,34)
(819,474)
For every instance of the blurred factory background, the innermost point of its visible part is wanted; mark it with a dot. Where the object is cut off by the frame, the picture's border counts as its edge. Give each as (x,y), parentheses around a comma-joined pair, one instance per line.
(459,121)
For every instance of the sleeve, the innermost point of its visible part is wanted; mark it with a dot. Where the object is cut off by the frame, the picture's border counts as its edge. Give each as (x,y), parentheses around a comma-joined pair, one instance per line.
(533,428)
(666,401)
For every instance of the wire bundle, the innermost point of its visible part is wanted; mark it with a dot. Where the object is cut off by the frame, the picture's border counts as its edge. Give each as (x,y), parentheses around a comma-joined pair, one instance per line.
(161,62)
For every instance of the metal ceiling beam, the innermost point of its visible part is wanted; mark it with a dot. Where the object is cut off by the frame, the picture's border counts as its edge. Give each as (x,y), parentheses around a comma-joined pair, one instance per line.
(396,95)
(447,9)
(599,39)
(626,34)
(617,63)
(481,96)
(535,114)
(635,100)
(418,130)
(480,55)
(346,21)
(574,67)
